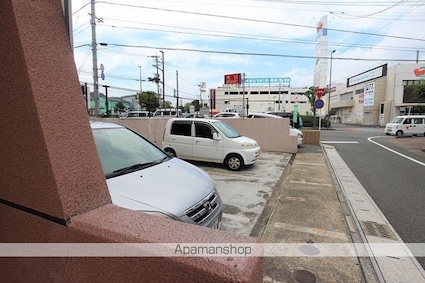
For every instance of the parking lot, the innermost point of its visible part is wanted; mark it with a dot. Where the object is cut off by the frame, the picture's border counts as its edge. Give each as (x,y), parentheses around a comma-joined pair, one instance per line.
(246,192)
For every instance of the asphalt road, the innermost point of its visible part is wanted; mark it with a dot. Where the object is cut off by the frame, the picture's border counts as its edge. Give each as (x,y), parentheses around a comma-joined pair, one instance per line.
(392,174)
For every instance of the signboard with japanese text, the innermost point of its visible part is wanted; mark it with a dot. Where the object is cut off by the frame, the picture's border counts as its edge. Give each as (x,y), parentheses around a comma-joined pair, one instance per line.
(369,94)
(319,92)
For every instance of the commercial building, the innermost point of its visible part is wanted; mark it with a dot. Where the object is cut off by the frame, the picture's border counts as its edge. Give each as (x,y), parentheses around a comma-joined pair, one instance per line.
(261,95)
(372,98)
(377,95)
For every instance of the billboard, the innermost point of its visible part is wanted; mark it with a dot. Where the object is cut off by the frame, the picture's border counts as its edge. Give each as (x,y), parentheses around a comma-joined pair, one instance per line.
(233,79)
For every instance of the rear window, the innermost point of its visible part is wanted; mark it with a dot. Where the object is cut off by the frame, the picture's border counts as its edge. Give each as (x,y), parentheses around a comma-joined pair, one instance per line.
(181,128)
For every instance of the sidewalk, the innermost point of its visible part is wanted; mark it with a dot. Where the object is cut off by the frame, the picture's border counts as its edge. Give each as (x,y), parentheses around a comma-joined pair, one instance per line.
(307,210)
(319,205)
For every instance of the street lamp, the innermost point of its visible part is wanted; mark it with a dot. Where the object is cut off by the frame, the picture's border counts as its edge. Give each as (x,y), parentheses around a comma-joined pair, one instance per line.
(328,124)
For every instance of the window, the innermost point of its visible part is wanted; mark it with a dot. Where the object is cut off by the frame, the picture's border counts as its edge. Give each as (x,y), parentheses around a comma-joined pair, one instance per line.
(181,128)
(418,121)
(203,131)
(407,121)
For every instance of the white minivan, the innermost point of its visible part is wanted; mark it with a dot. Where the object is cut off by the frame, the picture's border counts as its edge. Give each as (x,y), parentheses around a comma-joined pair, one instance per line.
(209,140)
(406,125)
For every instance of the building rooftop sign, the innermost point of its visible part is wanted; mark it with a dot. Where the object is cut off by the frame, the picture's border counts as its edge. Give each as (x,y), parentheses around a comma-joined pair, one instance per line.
(377,72)
(280,81)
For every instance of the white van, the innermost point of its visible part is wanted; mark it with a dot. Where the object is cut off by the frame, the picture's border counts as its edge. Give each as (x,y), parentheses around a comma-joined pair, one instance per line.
(209,140)
(134,115)
(406,125)
(168,112)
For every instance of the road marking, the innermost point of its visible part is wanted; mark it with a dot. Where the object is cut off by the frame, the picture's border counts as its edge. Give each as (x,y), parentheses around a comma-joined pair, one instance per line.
(332,142)
(393,151)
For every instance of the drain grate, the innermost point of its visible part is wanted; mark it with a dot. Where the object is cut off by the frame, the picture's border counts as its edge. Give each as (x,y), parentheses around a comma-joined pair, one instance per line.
(377,230)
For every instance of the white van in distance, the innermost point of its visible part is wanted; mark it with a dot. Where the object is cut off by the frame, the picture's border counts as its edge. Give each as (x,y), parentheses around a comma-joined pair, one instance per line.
(406,125)
(209,140)
(168,112)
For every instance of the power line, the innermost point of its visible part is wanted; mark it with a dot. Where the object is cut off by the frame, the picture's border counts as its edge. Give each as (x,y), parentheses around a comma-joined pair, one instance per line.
(260,54)
(221,34)
(261,21)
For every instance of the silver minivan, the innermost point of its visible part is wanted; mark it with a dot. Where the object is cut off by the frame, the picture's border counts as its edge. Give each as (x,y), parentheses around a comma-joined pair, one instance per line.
(140,176)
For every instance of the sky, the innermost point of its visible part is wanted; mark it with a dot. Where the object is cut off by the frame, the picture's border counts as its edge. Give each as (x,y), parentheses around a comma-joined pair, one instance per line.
(202,41)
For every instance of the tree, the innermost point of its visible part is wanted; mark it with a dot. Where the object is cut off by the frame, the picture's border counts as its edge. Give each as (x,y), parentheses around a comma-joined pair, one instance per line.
(148,100)
(196,104)
(311,95)
(166,104)
(119,107)
(419,89)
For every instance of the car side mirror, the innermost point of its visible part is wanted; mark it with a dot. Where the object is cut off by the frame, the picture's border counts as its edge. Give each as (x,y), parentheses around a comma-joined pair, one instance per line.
(216,136)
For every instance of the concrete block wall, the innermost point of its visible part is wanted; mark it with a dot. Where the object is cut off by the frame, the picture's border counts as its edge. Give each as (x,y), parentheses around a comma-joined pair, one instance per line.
(271,134)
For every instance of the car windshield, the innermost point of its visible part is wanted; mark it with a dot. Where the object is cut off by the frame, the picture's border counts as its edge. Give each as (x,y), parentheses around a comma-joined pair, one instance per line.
(397,120)
(122,151)
(226,129)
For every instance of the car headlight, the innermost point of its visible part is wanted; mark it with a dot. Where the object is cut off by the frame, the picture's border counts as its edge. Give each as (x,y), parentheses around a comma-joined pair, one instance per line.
(247,145)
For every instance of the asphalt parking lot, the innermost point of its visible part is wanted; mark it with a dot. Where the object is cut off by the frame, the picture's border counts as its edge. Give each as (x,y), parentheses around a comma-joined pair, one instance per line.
(246,192)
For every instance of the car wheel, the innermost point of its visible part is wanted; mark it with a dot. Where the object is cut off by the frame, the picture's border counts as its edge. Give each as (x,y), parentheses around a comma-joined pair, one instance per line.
(170,152)
(234,162)
(399,133)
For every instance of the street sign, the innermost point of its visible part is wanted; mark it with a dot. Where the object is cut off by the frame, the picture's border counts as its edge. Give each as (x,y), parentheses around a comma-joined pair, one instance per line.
(319,104)
(319,92)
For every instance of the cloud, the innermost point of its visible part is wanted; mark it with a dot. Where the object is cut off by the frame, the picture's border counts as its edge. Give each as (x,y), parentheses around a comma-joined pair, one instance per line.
(284,30)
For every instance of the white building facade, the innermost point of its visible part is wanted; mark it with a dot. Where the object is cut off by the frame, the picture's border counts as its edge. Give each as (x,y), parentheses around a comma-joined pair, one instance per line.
(376,96)
(273,98)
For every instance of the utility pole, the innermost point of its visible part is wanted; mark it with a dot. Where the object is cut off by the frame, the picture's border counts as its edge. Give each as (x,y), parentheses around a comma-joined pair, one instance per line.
(106,102)
(243,94)
(163,77)
(94,51)
(156,79)
(140,78)
(328,124)
(177,92)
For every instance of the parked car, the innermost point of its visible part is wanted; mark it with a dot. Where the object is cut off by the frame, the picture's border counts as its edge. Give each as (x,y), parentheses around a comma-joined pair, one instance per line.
(195,115)
(262,115)
(406,125)
(227,115)
(292,131)
(141,176)
(209,140)
(134,115)
(168,112)
(295,132)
